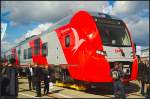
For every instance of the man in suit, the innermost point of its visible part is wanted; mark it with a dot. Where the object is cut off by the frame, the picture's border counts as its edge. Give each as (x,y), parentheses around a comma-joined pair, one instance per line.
(4,80)
(30,74)
(1,78)
(38,75)
(46,74)
(147,79)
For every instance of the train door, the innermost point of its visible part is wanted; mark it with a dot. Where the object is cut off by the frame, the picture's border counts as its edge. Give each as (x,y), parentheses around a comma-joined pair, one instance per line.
(67,43)
(65,38)
(60,52)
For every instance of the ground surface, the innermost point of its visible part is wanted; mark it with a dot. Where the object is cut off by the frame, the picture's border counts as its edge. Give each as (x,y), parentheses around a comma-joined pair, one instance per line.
(132,91)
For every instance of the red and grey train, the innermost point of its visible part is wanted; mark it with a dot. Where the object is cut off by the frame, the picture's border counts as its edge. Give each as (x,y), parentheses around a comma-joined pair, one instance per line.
(86,44)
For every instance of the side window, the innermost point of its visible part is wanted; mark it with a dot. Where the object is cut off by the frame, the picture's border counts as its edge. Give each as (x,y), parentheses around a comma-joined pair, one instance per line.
(9,57)
(67,41)
(25,53)
(19,51)
(44,49)
(14,54)
(36,46)
(29,53)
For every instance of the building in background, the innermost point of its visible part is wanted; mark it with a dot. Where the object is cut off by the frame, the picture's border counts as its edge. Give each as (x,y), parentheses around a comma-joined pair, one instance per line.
(145,54)
(138,50)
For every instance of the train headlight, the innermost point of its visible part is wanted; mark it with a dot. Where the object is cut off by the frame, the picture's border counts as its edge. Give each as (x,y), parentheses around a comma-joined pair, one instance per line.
(126,69)
(101,52)
(90,36)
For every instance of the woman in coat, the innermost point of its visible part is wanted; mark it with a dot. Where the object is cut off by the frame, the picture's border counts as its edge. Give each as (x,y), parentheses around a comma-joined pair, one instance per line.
(12,73)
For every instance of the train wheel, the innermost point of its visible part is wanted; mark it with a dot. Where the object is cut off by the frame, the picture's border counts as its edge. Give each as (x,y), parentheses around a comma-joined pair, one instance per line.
(66,81)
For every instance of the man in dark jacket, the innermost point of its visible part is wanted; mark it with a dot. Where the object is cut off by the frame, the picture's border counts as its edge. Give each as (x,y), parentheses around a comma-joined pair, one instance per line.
(1,78)
(4,80)
(147,79)
(38,75)
(30,75)
(117,75)
(141,75)
(46,74)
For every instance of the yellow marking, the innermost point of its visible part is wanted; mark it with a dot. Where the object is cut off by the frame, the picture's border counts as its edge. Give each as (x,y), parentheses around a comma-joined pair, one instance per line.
(73,86)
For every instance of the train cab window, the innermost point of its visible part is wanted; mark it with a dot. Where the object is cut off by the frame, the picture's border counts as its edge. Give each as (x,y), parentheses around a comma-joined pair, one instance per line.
(36,46)
(67,41)
(25,53)
(29,53)
(44,49)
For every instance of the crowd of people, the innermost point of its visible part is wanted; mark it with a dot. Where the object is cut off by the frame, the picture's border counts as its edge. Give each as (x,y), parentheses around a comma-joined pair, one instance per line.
(35,73)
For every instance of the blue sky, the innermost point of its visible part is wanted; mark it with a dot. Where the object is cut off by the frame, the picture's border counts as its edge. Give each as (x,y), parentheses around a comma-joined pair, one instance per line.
(28,17)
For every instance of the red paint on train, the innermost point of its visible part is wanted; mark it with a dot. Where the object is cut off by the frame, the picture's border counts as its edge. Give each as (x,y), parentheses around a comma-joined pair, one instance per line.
(38,58)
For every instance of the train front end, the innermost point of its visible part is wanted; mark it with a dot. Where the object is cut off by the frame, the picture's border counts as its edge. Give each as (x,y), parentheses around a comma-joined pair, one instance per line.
(106,41)
(117,44)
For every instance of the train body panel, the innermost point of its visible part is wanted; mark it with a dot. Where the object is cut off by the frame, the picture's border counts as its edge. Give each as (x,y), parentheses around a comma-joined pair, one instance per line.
(24,60)
(81,44)
(56,55)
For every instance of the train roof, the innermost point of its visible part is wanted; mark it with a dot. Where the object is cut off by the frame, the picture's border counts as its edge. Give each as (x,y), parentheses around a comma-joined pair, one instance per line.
(64,21)
(104,15)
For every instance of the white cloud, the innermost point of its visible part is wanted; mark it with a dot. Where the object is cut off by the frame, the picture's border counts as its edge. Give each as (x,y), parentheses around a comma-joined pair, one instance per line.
(44,11)
(40,28)
(139,28)
(140,31)
(132,12)
(130,7)
(6,45)
(96,6)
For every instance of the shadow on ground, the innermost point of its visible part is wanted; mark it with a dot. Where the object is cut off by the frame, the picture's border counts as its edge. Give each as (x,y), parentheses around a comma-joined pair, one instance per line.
(23,90)
(23,82)
(129,88)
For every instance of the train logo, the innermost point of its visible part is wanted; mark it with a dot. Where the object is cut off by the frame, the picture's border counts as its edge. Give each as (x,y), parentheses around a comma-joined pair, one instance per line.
(78,41)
